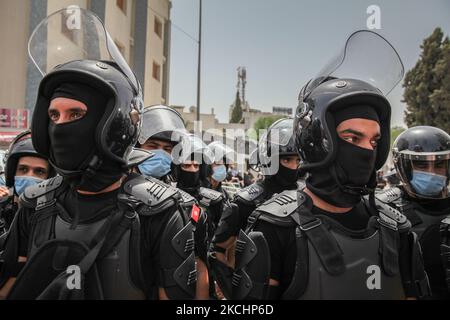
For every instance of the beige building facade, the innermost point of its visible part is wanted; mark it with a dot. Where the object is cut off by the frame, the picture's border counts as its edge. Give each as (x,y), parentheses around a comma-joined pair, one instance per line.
(140,28)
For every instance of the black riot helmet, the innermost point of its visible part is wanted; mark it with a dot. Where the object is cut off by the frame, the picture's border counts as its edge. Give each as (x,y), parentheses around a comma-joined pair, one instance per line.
(162,123)
(220,152)
(277,141)
(81,51)
(316,137)
(190,148)
(21,146)
(422,160)
(366,70)
(253,162)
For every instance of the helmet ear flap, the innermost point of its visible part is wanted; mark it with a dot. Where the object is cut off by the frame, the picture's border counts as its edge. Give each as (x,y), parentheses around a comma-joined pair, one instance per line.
(312,142)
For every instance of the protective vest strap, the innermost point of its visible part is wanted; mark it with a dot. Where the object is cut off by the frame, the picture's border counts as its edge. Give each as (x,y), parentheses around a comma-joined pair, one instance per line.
(300,277)
(323,241)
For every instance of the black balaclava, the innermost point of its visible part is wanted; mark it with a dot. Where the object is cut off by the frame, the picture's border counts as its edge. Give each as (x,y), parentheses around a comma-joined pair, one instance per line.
(73,144)
(286,177)
(352,173)
(190,181)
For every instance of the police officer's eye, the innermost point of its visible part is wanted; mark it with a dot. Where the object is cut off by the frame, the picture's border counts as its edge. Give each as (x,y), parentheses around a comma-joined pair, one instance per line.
(75,115)
(40,172)
(23,169)
(53,115)
(439,164)
(421,164)
(151,146)
(351,139)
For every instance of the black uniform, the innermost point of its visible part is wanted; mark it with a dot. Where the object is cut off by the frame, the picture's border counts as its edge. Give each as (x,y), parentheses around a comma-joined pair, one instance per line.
(313,252)
(426,217)
(422,160)
(250,198)
(125,275)
(8,209)
(366,253)
(20,147)
(124,243)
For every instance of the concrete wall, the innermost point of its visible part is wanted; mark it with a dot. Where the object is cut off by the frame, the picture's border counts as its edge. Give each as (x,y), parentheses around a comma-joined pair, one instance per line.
(157,9)
(119,26)
(20,81)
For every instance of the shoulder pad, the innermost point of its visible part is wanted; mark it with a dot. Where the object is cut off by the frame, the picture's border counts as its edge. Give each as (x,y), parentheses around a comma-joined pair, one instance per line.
(392,216)
(389,195)
(281,204)
(34,194)
(211,196)
(250,193)
(279,208)
(186,198)
(154,193)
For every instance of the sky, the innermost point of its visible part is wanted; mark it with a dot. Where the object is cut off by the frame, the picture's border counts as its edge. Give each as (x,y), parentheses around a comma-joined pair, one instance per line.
(283,44)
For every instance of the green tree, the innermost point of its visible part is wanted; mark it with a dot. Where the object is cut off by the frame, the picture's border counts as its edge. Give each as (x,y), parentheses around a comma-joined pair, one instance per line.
(265,122)
(236,114)
(395,132)
(427,85)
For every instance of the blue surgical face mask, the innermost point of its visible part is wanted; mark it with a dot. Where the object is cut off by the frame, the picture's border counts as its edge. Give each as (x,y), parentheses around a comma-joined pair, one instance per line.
(428,184)
(21,183)
(219,173)
(2,180)
(157,166)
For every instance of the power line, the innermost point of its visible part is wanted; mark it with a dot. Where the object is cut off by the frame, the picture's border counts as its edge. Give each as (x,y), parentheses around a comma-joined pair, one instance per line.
(187,34)
(174,25)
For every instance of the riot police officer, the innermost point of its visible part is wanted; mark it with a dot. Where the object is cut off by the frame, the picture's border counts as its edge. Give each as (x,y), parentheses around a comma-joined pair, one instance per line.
(86,120)
(422,160)
(24,167)
(161,131)
(223,156)
(191,161)
(278,161)
(324,241)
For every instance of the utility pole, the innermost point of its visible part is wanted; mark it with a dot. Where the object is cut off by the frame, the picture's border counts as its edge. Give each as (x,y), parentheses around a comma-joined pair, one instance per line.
(199,59)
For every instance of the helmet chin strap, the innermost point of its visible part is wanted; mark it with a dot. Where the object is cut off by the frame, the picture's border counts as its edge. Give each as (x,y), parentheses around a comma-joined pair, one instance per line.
(94,165)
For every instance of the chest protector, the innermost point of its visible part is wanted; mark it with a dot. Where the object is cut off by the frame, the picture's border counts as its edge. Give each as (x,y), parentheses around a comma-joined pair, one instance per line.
(182,237)
(110,244)
(332,262)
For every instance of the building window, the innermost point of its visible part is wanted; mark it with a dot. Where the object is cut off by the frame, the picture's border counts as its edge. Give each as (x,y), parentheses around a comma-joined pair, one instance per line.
(156,71)
(122,4)
(158,27)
